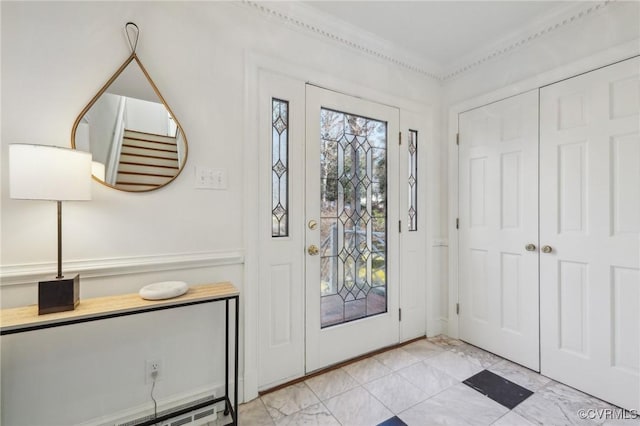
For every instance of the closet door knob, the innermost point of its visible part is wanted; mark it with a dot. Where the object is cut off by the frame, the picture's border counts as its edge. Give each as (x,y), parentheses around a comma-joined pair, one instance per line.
(530,247)
(547,249)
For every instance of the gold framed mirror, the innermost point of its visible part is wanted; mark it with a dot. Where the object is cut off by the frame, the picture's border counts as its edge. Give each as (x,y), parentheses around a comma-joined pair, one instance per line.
(136,141)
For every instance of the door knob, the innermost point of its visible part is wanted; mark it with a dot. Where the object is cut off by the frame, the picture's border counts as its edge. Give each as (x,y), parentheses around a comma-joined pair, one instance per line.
(547,249)
(530,247)
(312,224)
(313,250)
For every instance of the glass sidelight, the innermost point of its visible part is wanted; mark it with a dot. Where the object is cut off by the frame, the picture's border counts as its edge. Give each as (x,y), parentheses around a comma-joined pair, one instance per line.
(353,217)
(279,168)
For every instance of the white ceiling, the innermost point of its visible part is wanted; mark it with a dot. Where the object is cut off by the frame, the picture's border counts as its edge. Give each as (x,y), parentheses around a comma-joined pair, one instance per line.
(441,32)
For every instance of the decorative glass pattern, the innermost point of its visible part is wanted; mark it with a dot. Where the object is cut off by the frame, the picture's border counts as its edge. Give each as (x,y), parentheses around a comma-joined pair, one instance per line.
(353,217)
(279,168)
(413,180)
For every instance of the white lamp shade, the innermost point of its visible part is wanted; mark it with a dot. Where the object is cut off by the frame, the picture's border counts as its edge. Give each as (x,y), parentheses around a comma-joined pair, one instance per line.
(42,172)
(97,169)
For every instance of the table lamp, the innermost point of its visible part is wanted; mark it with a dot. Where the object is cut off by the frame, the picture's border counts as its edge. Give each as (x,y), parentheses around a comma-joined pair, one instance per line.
(42,172)
(98,170)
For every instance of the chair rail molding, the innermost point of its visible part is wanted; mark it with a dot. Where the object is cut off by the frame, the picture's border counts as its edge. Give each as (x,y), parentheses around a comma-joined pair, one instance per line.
(306,19)
(95,268)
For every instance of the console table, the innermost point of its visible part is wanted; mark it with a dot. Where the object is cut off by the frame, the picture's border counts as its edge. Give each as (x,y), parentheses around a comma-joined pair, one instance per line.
(23,319)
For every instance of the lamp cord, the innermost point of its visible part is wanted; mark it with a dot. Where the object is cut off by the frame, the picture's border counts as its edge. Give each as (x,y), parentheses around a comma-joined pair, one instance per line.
(155,403)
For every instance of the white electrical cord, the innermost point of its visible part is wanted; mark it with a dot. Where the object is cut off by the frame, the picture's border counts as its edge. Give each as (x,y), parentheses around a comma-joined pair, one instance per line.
(155,403)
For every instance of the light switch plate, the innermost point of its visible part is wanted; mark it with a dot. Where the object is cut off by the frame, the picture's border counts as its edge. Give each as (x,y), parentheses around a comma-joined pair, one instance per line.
(210,178)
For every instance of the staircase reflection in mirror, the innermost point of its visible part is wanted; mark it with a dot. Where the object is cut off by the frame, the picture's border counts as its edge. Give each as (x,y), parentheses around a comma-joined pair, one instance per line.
(130,129)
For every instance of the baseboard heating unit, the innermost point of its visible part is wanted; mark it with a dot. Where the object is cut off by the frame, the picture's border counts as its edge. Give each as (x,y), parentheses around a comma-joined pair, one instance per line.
(195,413)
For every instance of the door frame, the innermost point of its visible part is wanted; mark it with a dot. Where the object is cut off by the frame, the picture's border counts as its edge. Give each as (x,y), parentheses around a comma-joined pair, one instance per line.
(607,57)
(254,62)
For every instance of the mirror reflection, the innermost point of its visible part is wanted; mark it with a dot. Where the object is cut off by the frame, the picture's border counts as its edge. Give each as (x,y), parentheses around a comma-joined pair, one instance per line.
(136,142)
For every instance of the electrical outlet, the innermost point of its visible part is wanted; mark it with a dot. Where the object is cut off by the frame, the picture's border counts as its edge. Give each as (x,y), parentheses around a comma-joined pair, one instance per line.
(153,367)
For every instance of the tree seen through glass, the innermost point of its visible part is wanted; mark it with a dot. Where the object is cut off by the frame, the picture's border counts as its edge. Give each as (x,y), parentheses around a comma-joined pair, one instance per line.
(353,217)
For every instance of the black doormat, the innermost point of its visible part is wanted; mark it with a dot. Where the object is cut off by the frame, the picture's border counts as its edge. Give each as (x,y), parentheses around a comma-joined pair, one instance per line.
(393,421)
(498,388)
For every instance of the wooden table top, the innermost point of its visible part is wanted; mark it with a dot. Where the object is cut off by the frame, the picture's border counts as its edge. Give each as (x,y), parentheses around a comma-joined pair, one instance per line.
(26,317)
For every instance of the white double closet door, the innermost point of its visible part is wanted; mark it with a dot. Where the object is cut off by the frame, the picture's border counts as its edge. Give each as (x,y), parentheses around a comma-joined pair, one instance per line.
(580,207)
(498,159)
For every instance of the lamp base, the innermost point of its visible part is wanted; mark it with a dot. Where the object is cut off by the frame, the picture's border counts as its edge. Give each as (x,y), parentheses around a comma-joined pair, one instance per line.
(58,295)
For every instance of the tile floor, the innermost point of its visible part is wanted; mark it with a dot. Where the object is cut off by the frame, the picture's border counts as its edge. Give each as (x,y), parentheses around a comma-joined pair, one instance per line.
(436,381)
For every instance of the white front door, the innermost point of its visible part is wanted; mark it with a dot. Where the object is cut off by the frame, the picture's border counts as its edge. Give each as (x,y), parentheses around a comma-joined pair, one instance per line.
(498,228)
(351,227)
(590,222)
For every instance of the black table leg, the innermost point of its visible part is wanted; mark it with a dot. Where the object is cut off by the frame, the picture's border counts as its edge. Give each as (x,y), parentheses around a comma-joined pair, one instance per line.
(226,357)
(235,386)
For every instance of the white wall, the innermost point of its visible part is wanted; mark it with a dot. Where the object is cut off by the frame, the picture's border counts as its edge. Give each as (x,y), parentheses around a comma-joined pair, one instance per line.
(148,117)
(102,120)
(55,56)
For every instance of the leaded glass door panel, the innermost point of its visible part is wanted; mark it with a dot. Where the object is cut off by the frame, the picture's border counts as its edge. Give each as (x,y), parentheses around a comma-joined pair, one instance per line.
(351,208)
(353,217)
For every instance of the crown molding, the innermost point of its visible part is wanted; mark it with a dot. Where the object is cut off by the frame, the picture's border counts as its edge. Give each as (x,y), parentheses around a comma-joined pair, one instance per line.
(309,20)
(525,36)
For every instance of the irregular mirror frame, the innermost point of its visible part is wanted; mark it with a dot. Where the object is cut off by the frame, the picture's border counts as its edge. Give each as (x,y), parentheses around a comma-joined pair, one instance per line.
(136,141)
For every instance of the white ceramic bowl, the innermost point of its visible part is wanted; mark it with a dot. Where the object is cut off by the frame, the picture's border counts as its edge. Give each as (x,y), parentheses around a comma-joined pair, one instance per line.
(163,290)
